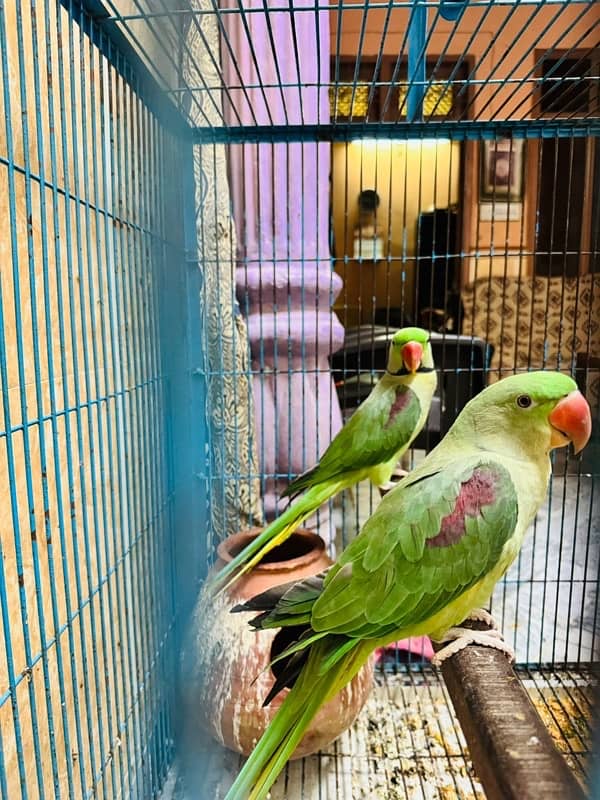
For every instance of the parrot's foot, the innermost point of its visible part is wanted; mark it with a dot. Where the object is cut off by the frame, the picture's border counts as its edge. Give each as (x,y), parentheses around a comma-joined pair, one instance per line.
(481,615)
(459,638)
(397,475)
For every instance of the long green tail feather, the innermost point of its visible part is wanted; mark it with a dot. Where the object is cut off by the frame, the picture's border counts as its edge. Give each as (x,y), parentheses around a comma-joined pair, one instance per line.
(288,726)
(286,749)
(274,534)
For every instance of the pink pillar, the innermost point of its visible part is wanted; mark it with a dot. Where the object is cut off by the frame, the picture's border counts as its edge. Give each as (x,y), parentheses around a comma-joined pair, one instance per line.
(280,193)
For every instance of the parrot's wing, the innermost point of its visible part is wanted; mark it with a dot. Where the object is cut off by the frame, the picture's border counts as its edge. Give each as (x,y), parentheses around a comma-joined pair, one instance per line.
(373,435)
(428,542)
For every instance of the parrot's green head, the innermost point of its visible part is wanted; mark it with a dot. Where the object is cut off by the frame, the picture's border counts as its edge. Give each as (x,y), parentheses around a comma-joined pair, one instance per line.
(410,352)
(534,411)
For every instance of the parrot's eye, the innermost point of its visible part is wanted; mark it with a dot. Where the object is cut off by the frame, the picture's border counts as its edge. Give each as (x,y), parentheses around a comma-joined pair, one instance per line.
(524,401)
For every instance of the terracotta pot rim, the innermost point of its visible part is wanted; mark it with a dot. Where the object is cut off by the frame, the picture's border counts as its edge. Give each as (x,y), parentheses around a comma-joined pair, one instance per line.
(318,547)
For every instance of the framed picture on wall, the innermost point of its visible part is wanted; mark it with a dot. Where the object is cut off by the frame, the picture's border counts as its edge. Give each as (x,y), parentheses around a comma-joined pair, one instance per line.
(501,170)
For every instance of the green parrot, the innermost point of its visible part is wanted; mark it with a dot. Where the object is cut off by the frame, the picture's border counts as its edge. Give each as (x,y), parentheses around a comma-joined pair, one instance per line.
(368,446)
(424,562)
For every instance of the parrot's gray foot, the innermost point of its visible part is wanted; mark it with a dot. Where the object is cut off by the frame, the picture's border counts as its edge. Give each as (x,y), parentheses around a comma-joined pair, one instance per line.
(481,615)
(459,638)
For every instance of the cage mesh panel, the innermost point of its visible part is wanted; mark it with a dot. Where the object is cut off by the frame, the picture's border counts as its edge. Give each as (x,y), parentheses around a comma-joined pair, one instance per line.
(86,234)
(116,125)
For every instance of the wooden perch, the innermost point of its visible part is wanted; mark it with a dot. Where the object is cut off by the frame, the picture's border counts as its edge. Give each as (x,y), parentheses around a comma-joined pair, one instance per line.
(512,751)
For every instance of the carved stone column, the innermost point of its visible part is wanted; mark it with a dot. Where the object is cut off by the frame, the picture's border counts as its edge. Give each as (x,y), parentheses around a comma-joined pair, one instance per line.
(280,194)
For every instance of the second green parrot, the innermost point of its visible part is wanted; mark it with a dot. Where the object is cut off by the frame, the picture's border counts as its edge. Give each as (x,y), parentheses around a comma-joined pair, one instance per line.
(424,562)
(368,446)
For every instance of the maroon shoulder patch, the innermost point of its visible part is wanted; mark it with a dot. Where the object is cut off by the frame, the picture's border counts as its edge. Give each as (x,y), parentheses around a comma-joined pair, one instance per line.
(474,493)
(402,401)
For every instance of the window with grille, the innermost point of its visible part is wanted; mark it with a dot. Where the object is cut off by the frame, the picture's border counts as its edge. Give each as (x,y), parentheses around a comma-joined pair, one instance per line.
(377,90)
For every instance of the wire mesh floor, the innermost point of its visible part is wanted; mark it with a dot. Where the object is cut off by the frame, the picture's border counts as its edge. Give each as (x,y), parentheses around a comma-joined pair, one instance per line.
(563,698)
(407,743)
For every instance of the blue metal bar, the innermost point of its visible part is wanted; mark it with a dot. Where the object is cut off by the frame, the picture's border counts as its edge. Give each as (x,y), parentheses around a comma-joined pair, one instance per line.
(462,83)
(417,64)
(203,467)
(138,450)
(525,55)
(361,38)
(559,59)
(457,131)
(126,499)
(87,298)
(147,565)
(3,785)
(320,86)
(9,647)
(130,65)
(275,60)
(93,388)
(77,613)
(461,60)
(61,192)
(56,432)
(175,454)
(417,34)
(124,144)
(380,54)
(336,54)
(208,52)
(224,36)
(87,454)
(75,408)
(40,135)
(162,618)
(162,563)
(333,6)
(111,361)
(255,59)
(31,257)
(170,52)
(15,506)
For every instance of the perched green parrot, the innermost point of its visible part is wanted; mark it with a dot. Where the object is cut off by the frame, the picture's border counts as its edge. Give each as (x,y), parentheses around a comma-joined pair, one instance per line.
(424,562)
(368,446)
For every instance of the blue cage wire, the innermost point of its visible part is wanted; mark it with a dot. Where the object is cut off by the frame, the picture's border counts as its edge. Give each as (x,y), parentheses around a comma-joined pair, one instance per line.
(150,407)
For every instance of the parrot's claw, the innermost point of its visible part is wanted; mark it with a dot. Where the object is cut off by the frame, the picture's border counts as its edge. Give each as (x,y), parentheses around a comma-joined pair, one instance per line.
(398,474)
(481,615)
(459,638)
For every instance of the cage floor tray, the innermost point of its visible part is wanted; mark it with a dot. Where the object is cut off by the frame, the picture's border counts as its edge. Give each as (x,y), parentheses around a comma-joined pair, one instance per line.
(406,744)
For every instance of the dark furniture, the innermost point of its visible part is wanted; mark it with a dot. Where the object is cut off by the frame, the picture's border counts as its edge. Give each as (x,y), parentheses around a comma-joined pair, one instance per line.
(437,298)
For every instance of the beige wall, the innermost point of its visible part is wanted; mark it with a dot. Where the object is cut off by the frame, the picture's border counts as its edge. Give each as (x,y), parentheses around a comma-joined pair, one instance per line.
(409,177)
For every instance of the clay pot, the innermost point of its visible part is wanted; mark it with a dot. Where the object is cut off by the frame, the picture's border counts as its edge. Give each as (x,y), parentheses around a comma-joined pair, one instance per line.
(225,663)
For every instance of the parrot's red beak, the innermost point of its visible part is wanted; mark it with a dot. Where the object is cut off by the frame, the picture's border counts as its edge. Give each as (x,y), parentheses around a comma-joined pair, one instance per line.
(571,419)
(412,353)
